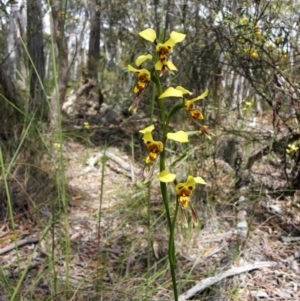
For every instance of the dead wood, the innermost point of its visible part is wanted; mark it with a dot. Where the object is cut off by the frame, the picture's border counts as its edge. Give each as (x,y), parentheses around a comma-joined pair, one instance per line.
(72,99)
(205,283)
(125,168)
(289,239)
(18,244)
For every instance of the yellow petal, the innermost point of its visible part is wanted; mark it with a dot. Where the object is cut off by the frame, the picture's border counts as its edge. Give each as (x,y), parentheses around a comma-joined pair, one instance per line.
(190,182)
(171,92)
(148,34)
(203,95)
(144,72)
(153,146)
(180,136)
(177,37)
(179,187)
(158,65)
(149,128)
(147,137)
(165,176)
(184,201)
(195,114)
(56,145)
(151,157)
(159,145)
(130,68)
(170,43)
(199,180)
(171,66)
(184,91)
(142,58)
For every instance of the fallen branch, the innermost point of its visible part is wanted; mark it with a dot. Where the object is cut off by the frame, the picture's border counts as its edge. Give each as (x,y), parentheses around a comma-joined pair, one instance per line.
(73,97)
(290,239)
(127,168)
(18,244)
(203,284)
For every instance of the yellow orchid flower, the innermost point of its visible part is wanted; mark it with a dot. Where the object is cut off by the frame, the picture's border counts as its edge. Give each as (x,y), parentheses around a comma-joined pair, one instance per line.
(254,54)
(247,105)
(292,148)
(86,125)
(244,21)
(185,190)
(144,76)
(57,146)
(154,147)
(163,49)
(189,106)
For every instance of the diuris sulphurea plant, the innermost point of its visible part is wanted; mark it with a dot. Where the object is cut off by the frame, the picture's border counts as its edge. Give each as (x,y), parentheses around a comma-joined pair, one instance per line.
(160,65)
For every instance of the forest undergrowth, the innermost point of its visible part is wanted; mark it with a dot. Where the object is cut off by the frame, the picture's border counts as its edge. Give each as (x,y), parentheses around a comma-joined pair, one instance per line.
(244,219)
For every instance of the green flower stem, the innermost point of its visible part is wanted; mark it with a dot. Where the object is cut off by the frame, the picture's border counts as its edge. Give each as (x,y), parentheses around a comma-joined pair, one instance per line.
(148,202)
(164,193)
(171,241)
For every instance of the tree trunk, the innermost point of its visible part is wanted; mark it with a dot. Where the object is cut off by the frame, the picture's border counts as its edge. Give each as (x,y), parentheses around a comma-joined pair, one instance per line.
(58,17)
(36,60)
(11,42)
(94,42)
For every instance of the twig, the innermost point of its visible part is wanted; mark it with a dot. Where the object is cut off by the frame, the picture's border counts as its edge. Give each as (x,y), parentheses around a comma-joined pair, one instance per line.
(203,284)
(18,244)
(290,239)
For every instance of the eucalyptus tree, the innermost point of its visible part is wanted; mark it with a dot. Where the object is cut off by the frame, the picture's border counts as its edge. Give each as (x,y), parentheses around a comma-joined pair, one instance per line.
(36,62)
(10,59)
(94,39)
(59,16)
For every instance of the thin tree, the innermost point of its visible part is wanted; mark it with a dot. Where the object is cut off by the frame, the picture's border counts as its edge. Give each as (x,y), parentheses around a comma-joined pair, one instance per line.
(94,41)
(36,57)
